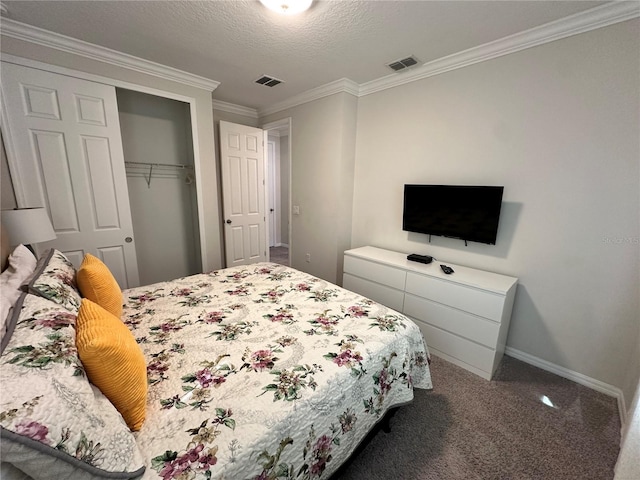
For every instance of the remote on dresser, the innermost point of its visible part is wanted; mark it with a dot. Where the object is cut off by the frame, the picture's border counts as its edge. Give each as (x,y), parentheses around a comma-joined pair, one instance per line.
(446,269)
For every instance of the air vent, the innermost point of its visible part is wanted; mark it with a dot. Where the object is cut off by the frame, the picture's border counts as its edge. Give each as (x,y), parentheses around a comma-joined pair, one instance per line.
(402,64)
(268,81)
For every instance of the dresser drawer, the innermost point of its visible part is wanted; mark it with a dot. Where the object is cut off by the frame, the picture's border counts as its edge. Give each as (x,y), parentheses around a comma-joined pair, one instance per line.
(375,272)
(472,327)
(478,302)
(387,296)
(464,316)
(462,349)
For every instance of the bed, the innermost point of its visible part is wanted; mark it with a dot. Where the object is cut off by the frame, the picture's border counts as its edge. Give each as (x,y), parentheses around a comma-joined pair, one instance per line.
(252,372)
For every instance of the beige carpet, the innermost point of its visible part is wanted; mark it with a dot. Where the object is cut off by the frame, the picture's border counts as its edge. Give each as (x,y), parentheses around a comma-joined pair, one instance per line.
(469,428)
(279,255)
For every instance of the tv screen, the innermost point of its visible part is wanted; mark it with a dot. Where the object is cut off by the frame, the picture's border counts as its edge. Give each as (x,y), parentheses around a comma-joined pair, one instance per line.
(470,213)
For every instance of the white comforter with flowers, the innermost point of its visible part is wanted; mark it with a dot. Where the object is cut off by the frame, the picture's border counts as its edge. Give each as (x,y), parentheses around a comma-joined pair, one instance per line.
(265,372)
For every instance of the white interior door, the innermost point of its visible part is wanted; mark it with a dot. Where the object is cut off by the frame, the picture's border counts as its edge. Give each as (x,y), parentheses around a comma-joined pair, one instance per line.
(66,155)
(243,193)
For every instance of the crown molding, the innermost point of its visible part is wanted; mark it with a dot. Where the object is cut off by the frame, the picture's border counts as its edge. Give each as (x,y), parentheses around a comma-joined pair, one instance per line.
(233,108)
(598,17)
(45,38)
(592,19)
(339,86)
(280,128)
(588,20)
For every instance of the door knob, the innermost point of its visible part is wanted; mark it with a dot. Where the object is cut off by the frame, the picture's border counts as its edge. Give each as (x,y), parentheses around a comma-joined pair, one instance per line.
(228,221)
(128,239)
(271,209)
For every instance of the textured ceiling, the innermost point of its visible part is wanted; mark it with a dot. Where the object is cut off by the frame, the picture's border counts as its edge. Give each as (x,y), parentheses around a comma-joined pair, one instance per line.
(235,42)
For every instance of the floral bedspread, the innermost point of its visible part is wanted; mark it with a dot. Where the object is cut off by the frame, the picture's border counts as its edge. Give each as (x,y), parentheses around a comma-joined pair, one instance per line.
(265,372)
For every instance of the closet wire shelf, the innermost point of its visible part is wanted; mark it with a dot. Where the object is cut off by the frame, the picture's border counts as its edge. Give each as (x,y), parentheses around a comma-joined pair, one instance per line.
(162,170)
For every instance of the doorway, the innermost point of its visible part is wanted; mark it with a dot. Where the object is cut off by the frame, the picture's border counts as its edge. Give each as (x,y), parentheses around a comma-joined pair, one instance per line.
(278,150)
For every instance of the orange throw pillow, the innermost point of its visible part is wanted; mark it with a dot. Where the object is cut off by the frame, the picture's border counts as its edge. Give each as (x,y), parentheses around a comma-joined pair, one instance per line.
(96,282)
(113,361)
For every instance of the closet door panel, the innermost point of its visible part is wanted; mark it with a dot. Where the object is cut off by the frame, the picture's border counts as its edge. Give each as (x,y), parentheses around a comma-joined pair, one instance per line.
(75,257)
(253,177)
(67,156)
(90,110)
(115,258)
(40,102)
(54,180)
(235,195)
(237,243)
(254,241)
(96,152)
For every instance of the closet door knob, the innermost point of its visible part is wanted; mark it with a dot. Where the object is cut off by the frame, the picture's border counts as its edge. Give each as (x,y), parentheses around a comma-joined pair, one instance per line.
(228,221)
(128,239)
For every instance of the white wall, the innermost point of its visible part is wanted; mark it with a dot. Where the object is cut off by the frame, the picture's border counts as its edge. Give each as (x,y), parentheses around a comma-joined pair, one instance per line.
(204,115)
(558,126)
(164,211)
(322,163)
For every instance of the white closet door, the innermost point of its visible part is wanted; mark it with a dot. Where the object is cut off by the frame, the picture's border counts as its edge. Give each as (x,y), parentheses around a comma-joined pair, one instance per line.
(65,137)
(243,196)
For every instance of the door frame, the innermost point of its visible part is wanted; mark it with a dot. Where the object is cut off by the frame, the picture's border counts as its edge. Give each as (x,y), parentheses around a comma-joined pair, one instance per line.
(12,159)
(285,124)
(274,216)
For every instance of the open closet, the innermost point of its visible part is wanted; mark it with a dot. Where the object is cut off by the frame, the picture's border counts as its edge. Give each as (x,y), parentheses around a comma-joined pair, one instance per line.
(158,158)
(115,169)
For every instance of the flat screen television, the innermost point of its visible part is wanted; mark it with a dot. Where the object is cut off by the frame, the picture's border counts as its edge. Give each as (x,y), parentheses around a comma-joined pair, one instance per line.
(470,213)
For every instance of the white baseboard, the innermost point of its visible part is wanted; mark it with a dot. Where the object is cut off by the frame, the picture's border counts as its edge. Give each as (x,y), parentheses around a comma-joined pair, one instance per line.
(579,378)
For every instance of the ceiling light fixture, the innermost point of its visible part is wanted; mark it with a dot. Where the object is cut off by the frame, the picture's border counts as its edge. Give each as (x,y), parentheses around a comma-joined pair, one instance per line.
(287,7)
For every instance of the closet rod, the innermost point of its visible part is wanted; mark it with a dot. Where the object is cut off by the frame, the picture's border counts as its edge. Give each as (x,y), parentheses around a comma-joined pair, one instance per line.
(161,166)
(181,166)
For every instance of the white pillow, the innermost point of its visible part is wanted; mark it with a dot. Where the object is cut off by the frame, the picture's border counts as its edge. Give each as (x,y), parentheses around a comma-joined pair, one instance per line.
(21,265)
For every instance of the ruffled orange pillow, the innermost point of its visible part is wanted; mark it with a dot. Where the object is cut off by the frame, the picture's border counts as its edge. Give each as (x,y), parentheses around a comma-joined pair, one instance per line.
(96,282)
(113,361)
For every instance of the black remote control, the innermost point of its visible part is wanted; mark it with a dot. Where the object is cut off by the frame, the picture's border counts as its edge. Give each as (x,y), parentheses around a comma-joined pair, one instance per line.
(447,270)
(414,257)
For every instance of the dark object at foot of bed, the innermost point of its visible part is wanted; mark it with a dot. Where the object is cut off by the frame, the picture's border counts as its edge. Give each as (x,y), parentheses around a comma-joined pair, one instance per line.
(384,424)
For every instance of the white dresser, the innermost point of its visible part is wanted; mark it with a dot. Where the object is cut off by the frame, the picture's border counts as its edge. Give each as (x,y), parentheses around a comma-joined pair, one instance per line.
(464,316)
